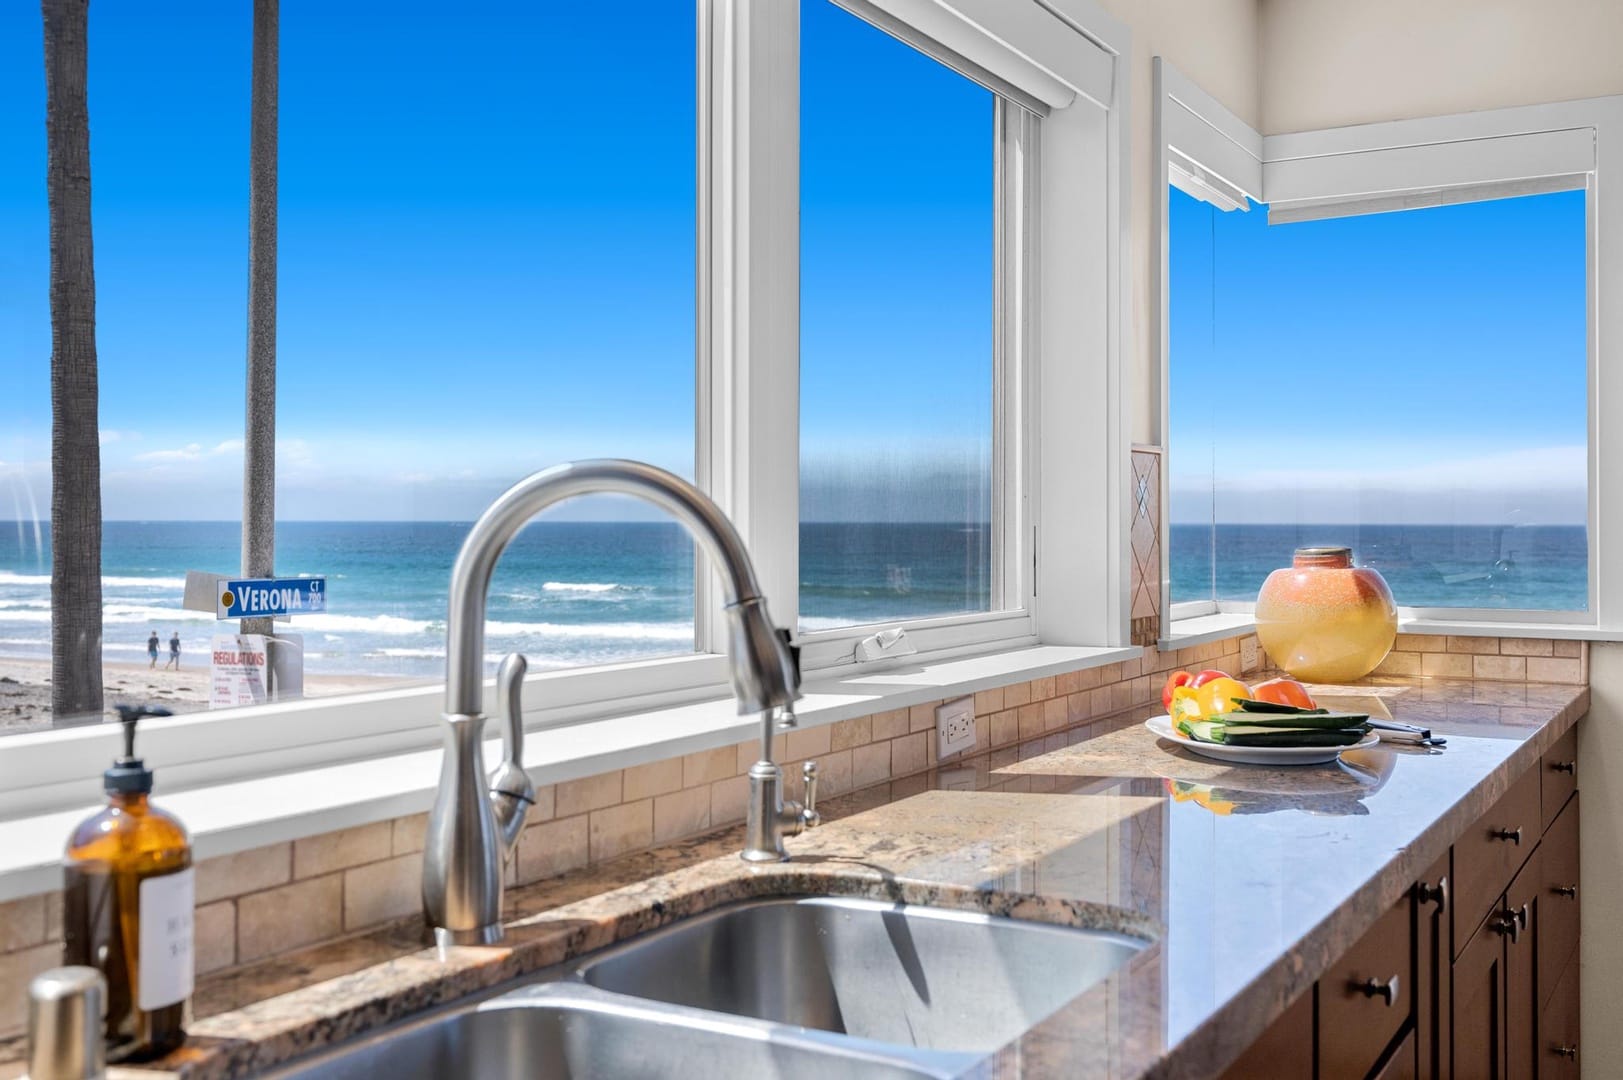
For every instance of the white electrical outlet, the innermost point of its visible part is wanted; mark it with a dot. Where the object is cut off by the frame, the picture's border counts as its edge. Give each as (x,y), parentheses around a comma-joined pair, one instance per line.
(955,726)
(1248,654)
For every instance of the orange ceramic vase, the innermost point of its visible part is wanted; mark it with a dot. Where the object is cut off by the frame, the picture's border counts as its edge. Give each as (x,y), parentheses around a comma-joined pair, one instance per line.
(1324,619)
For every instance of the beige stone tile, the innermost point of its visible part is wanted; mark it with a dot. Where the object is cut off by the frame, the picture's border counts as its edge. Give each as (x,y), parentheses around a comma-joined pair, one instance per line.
(852,732)
(1030,749)
(1055,714)
(1143,692)
(1501,668)
(245,872)
(1099,700)
(1042,689)
(907,754)
(1002,758)
(379,892)
(1421,643)
(1558,669)
(727,800)
(1475,645)
(1121,696)
(988,702)
(748,752)
(1572,649)
(1053,742)
(590,793)
(708,766)
(810,742)
(546,804)
(22,923)
(654,778)
(870,764)
(1522,646)
(1445,665)
(289,916)
(833,774)
(552,848)
(1067,683)
(214,936)
(317,855)
(1399,663)
(681,813)
(922,717)
(16,970)
(1088,678)
(1016,695)
(409,834)
(888,725)
(616,830)
(1031,720)
(1076,708)
(53,916)
(1005,727)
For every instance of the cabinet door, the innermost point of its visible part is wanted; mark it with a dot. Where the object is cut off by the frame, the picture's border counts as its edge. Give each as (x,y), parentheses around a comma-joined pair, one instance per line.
(1559,1028)
(1558,902)
(1401,1065)
(1490,852)
(1559,775)
(1523,901)
(1433,953)
(1477,1026)
(1285,1051)
(1366,996)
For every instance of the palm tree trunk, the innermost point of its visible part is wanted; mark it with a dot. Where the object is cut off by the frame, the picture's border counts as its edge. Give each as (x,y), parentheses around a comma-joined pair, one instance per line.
(76,684)
(259,454)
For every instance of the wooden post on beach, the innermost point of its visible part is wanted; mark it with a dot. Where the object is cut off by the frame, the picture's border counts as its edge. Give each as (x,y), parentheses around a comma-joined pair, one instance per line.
(259,444)
(76,683)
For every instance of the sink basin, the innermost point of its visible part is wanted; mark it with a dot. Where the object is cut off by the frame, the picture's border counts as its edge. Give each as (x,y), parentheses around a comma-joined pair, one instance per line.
(564,1032)
(912,976)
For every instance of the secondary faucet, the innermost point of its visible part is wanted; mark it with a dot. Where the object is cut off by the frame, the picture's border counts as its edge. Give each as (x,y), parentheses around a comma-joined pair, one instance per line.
(472,830)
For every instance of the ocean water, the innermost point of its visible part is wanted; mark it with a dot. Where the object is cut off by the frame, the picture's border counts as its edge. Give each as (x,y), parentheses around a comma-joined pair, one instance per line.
(565,593)
(1530,567)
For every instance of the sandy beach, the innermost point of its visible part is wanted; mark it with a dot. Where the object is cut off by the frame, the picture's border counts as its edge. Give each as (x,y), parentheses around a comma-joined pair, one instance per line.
(25,689)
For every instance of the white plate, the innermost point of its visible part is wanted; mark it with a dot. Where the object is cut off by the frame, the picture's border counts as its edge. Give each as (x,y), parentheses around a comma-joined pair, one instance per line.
(1257,755)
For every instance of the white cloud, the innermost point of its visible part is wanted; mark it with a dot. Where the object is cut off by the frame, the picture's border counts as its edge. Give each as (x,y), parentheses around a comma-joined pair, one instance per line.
(189,452)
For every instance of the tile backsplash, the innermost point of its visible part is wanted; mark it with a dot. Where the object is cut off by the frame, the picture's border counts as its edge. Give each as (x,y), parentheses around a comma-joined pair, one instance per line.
(270,900)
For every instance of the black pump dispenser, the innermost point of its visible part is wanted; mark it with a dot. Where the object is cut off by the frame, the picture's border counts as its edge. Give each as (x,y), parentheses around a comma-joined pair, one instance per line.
(129,774)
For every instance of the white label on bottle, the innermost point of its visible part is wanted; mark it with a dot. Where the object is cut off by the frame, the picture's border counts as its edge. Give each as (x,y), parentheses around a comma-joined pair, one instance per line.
(166,940)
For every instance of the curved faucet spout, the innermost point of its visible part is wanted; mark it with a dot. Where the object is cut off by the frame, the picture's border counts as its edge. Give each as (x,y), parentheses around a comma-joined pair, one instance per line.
(764,663)
(476,821)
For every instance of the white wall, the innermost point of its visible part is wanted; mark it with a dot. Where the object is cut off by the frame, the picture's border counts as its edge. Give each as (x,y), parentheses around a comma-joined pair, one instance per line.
(1214,43)
(1330,63)
(1600,825)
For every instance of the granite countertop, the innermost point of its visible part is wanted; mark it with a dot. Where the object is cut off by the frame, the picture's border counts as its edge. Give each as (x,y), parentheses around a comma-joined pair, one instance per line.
(1247,882)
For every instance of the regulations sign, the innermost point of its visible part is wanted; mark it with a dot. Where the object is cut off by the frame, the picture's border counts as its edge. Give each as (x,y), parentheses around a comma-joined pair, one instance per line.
(272,597)
(237,671)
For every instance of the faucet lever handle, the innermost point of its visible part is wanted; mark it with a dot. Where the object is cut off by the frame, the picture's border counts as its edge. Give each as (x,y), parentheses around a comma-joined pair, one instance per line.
(509,706)
(810,818)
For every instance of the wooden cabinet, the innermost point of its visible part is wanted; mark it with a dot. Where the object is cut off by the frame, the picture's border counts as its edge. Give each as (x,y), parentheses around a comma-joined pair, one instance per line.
(1365,998)
(1433,970)
(1285,1051)
(1473,974)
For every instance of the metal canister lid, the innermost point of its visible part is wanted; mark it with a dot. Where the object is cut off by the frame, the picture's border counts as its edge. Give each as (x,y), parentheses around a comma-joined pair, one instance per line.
(66,1009)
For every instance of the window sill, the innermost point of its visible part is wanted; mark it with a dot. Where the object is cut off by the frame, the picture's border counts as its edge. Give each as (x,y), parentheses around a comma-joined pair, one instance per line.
(244,814)
(1200,629)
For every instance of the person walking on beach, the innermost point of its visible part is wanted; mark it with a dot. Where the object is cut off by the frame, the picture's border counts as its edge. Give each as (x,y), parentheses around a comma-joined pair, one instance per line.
(152,649)
(174,651)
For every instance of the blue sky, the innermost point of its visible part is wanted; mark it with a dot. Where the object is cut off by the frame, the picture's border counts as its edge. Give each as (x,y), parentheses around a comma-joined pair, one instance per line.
(1425,366)
(486,249)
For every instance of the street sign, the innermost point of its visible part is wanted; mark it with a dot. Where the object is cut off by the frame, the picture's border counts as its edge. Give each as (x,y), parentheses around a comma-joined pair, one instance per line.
(258,598)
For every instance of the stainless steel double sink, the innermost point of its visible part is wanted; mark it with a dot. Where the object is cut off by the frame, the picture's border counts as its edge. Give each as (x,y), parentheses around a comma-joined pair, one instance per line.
(774,988)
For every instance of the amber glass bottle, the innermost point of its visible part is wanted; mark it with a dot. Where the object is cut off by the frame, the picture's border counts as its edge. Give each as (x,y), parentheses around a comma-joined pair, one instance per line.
(127,908)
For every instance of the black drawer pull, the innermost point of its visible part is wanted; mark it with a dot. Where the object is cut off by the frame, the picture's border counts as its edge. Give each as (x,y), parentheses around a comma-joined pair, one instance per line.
(1434,894)
(1568,891)
(1511,923)
(1565,1051)
(1566,767)
(1513,835)
(1387,991)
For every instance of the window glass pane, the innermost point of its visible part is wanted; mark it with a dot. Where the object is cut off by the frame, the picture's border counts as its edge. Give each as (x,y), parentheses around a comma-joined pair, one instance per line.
(476,281)
(896,360)
(1411,384)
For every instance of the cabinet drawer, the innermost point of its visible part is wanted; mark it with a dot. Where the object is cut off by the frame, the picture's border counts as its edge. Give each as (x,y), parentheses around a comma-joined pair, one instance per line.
(1558,899)
(1285,1050)
(1558,1029)
(1558,771)
(1365,998)
(1491,851)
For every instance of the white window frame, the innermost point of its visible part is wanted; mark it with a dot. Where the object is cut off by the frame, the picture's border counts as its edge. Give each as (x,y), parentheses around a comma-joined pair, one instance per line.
(1427,162)
(1068,461)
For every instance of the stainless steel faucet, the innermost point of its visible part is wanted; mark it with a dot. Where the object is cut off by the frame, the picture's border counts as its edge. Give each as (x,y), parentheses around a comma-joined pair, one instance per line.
(475,825)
